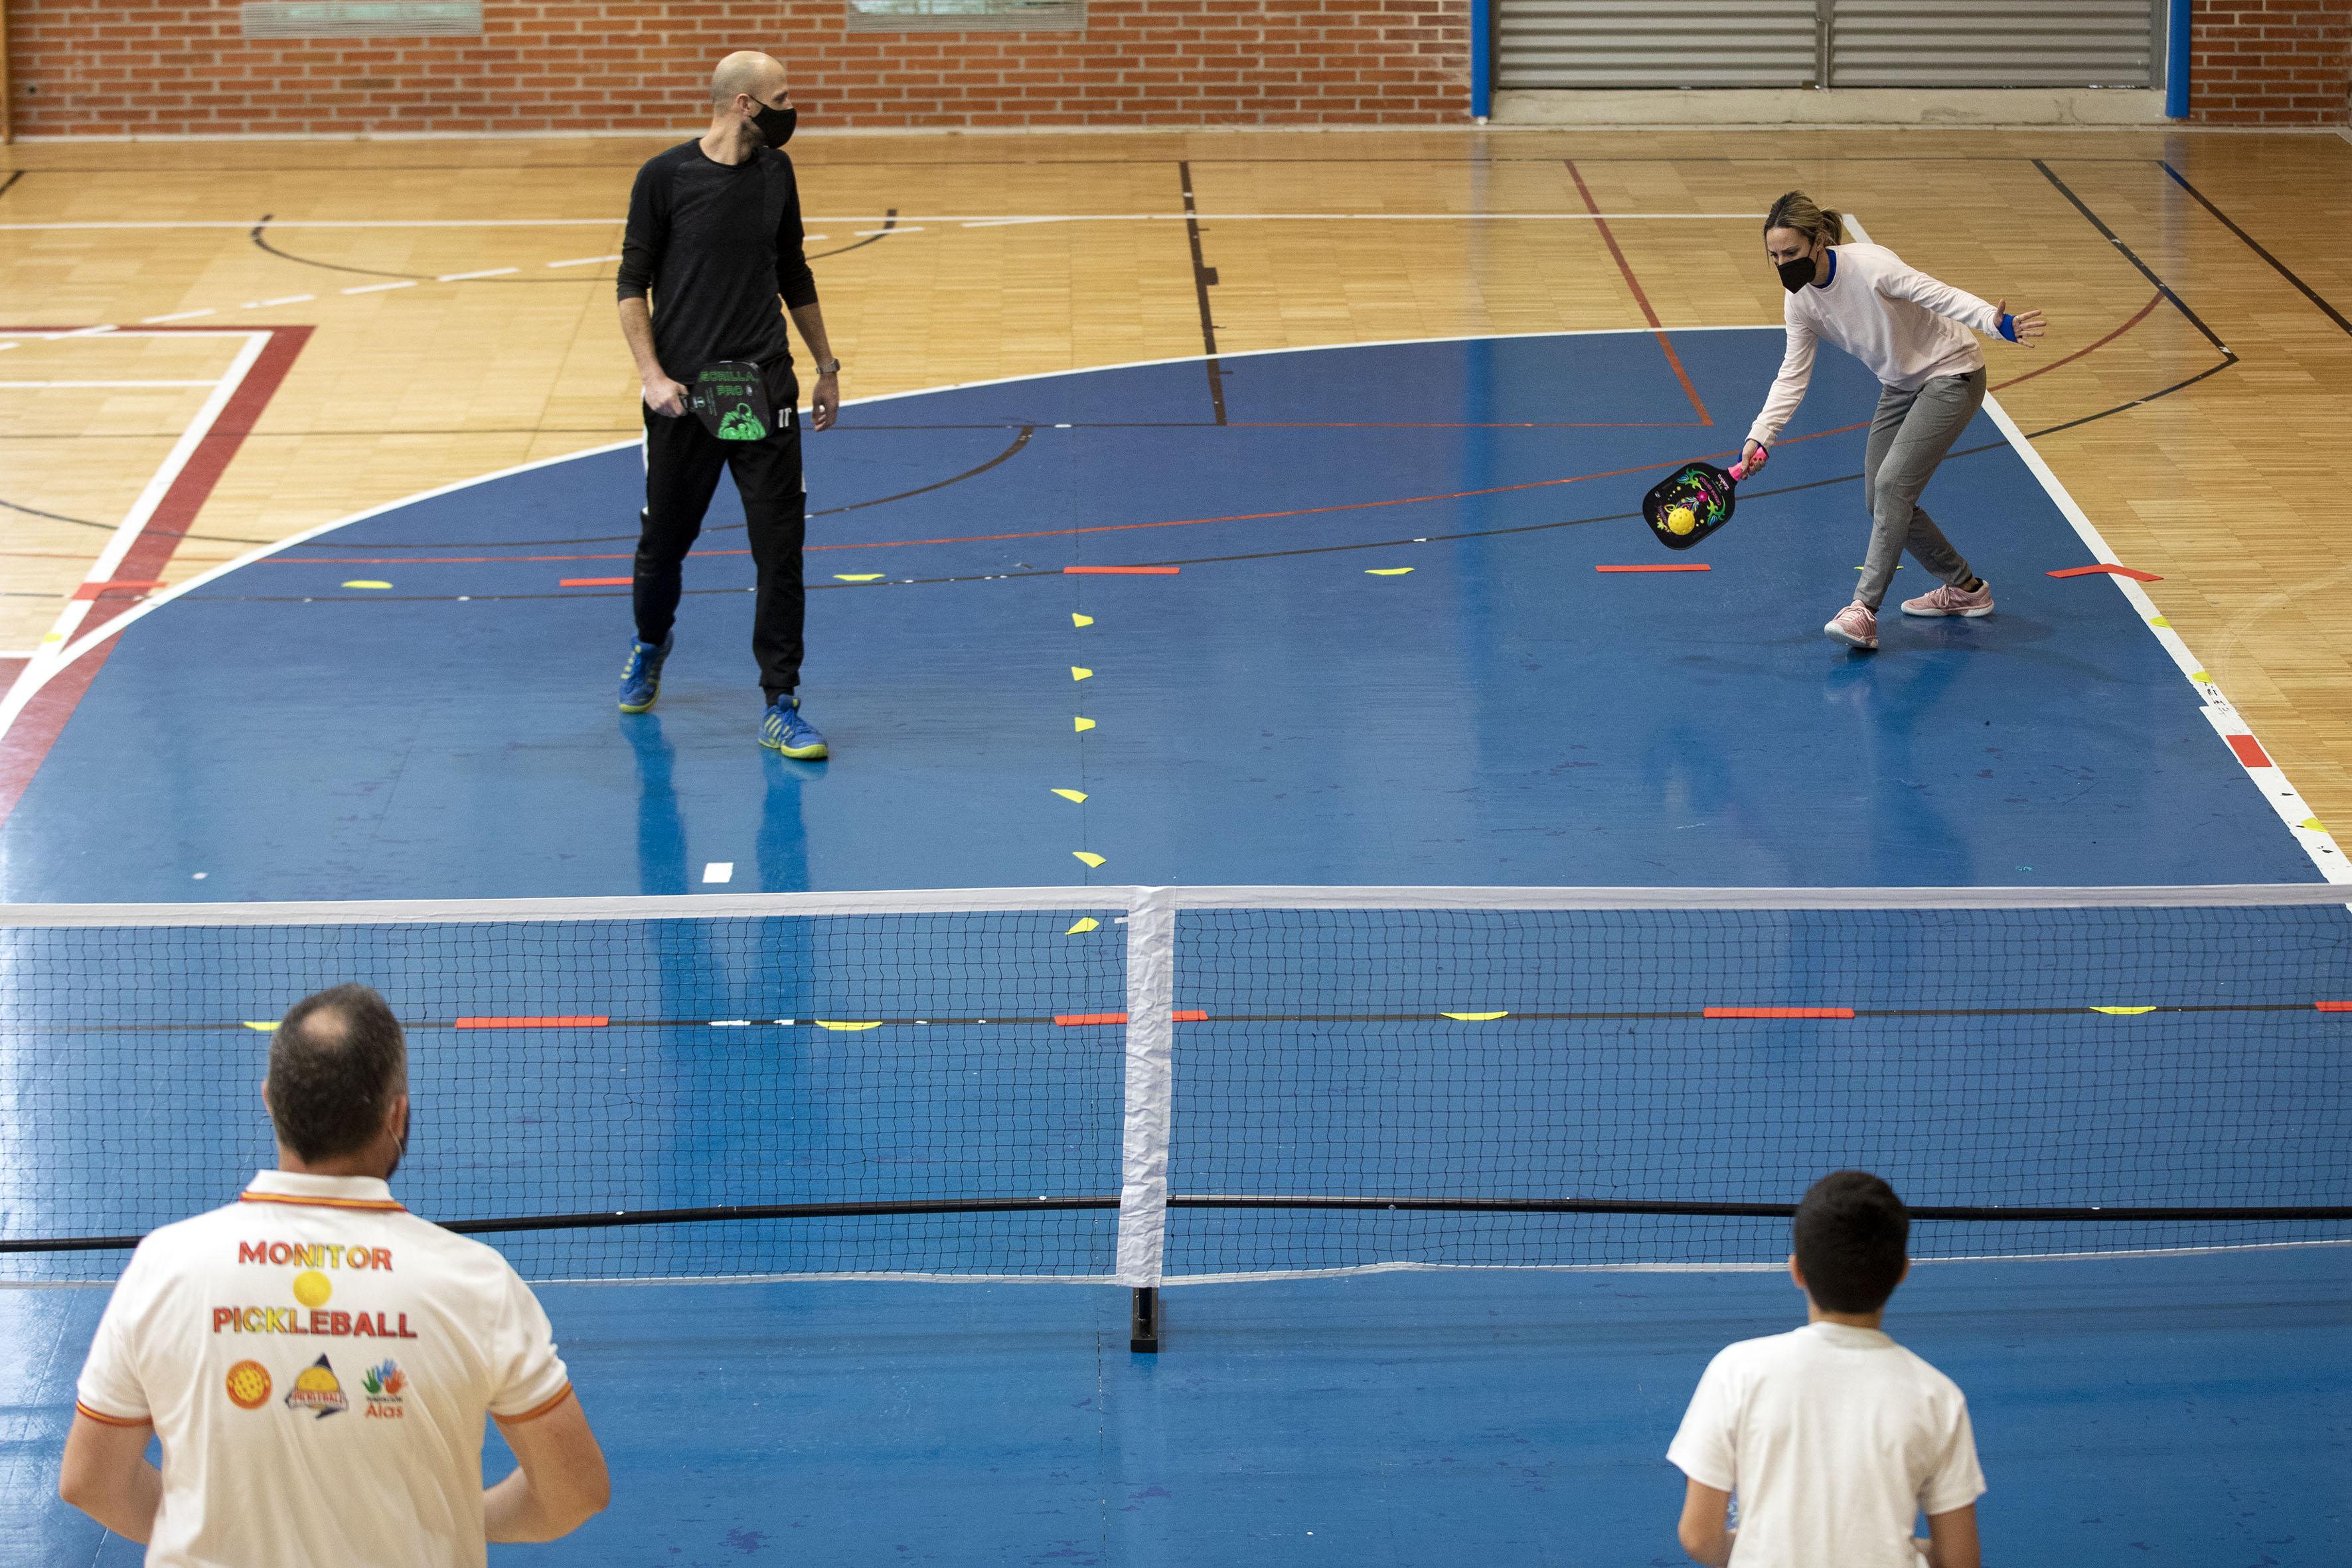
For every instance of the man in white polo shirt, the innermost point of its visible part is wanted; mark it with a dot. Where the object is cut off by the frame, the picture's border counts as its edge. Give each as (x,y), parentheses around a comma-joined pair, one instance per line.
(318,1362)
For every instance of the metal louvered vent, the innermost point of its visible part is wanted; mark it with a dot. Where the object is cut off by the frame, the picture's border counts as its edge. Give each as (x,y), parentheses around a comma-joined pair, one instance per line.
(967,16)
(361,18)
(1655,43)
(1827,43)
(1991,43)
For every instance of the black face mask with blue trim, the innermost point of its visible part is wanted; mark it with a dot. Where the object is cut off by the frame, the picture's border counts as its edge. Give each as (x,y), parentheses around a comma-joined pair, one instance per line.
(1795,275)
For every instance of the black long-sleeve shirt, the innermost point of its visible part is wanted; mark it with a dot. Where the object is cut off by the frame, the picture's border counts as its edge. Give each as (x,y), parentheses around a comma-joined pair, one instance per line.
(716,244)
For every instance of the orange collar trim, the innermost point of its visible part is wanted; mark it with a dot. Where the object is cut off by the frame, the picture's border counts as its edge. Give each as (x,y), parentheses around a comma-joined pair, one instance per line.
(385,1205)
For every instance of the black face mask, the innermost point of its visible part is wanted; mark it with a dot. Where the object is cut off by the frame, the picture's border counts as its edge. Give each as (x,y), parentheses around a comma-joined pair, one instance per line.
(1795,275)
(775,124)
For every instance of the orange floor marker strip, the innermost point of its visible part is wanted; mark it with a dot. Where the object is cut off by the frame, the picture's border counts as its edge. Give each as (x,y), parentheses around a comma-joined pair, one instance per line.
(2334,1006)
(1780,1012)
(565,1021)
(2250,751)
(2133,572)
(595,582)
(1067,1019)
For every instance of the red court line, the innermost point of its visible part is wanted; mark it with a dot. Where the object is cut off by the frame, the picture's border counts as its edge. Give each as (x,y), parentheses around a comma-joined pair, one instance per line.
(1068,1019)
(2334,1006)
(100,590)
(2136,575)
(1639,299)
(2250,751)
(26,744)
(1121,571)
(2153,301)
(1780,1012)
(595,582)
(1677,567)
(566,1021)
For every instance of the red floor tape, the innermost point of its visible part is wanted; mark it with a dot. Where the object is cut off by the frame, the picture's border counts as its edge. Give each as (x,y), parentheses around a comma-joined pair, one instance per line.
(1780,1012)
(1121,571)
(2132,573)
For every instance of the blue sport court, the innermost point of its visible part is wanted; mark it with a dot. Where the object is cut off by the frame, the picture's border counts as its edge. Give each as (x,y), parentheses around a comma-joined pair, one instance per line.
(1365,635)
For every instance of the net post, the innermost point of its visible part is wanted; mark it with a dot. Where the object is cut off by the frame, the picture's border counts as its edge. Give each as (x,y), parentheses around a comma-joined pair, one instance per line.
(1143,1144)
(1143,1322)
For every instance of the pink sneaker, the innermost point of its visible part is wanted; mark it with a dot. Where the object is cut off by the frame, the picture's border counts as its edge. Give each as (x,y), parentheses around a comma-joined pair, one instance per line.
(1948,600)
(1855,624)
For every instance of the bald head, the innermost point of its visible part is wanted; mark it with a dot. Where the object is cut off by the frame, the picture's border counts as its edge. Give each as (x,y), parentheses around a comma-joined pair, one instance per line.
(747,71)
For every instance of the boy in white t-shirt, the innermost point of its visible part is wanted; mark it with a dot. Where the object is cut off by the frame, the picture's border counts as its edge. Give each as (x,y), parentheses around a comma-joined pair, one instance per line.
(1834,1437)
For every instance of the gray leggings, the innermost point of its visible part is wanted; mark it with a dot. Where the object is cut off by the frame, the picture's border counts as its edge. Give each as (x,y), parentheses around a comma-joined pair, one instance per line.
(1908,436)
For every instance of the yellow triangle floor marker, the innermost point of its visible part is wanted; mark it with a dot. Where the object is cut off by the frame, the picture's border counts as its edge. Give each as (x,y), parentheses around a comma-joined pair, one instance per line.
(1078,620)
(857,577)
(367,582)
(249,1023)
(1476,1017)
(2201,675)
(1077,673)
(836,1023)
(1082,724)
(1386,571)
(2312,822)
(2125,1012)
(1071,794)
(1085,925)
(1089,859)
(2160,621)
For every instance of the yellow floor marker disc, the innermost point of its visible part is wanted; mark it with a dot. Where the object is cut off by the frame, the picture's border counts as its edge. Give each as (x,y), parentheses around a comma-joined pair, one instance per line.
(1089,923)
(857,577)
(1078,620)
(1089,859)
(367,582)
(249,1023)
(2312,822)
(1386,571)
(1071,794)
(850,1027)
(1478,1017)
(1082,724)
(1079,673)
(2125,1012)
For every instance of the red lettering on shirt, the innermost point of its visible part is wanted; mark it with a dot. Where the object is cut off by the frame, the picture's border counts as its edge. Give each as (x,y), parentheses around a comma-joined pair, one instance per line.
(385,1413)
(379,1258)
(279,1252)
(222,1317)
(403,1328)
(359,1325)
(253,1252)
(322,1320)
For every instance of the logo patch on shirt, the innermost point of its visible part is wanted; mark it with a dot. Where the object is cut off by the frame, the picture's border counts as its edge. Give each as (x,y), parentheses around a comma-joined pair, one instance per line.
(248,1385)
(316,1389)
(384,1383)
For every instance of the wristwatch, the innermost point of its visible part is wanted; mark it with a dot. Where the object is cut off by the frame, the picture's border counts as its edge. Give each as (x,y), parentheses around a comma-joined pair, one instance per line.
(830,367)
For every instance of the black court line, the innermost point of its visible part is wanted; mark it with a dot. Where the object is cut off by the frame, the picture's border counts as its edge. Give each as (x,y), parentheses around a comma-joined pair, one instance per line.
(2277,266)
(10,183)
(2146,271)
(1204,278)
(411,277)
(86,523)
(1020,442)
(889,227)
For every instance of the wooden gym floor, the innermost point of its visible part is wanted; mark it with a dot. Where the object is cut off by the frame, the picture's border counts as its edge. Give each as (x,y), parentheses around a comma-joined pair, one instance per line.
(2219,260)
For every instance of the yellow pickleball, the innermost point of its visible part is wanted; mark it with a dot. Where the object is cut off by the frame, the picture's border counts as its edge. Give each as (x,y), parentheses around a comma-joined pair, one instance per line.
(312,1288)
(1682,520)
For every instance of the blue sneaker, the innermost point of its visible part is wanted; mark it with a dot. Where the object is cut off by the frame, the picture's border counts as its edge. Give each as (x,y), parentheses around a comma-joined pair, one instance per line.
(641,677)
(782,728)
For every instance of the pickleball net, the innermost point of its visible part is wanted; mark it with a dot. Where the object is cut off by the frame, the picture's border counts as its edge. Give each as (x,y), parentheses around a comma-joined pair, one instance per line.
(1165,1086)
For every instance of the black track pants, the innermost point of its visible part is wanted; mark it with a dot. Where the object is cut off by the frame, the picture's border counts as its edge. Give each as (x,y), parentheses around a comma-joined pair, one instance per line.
(682,465)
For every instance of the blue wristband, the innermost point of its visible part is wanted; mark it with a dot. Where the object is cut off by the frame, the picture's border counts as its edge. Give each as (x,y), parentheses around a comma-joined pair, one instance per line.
(2009,327)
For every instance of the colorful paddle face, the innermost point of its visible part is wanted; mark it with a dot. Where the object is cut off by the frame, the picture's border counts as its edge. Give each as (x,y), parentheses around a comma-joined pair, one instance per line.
(731,400)
(1693,502)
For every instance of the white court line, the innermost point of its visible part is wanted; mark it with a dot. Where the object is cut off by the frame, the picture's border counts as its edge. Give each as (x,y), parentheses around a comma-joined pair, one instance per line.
(24,384)
(486,272)
(719,871)
(282,299)
(588,260)
(975,219)
(174,316)
(58,649)
(380,288)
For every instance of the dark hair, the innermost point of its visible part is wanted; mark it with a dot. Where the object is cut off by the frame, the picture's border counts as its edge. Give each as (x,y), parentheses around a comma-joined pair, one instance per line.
(335,1064)
(1853,1234)
(1796,211)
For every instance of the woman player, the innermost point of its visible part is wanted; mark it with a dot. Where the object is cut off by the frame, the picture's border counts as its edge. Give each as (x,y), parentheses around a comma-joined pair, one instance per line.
(1915,336)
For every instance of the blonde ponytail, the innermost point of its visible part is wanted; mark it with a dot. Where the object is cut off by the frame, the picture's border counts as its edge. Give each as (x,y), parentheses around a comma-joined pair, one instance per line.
(1797,211)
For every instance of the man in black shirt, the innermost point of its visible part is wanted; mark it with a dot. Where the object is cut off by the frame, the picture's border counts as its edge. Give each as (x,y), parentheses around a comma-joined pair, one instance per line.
(714,233)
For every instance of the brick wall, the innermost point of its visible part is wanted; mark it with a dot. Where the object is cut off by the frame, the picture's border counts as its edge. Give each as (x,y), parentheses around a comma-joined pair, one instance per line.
(161,68)
(2270,62)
